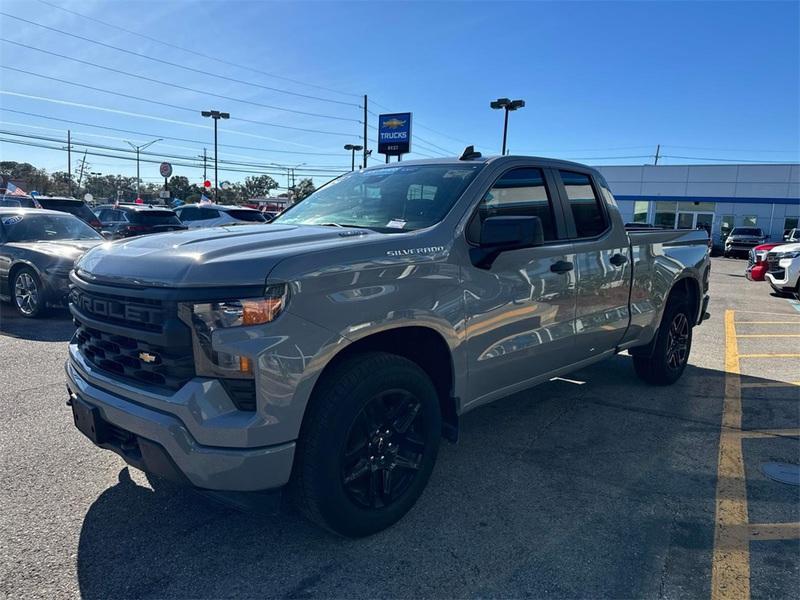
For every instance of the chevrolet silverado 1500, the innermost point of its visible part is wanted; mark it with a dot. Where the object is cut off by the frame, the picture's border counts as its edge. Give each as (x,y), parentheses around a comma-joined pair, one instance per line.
(328,352)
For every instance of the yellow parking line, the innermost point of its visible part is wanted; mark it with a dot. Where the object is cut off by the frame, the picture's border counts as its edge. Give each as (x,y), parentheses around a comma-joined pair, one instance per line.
(775,531)
(770,384)
(767,335)
(759,312)
(769,322)
(769,356)
(730,569)
(768,433)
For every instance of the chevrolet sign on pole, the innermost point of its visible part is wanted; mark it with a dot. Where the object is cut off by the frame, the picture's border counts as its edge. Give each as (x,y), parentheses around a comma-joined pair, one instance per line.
(394,134)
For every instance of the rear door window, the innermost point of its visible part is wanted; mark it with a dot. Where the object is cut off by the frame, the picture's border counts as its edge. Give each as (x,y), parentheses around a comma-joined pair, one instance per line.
(247,215)
(155,217)
(77,208)
(519,192)
(587,212)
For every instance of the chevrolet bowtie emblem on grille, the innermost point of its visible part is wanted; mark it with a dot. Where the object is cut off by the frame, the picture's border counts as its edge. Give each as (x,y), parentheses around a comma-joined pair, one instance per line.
(147,357)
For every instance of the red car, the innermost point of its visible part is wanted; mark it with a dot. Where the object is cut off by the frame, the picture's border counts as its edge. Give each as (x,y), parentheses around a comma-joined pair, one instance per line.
(757,263)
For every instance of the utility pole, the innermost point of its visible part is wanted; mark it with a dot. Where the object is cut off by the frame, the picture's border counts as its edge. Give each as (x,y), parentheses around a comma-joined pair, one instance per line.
(69,160)
(658,152)
(204,165)
(138,148)
(365,131)
(83,164)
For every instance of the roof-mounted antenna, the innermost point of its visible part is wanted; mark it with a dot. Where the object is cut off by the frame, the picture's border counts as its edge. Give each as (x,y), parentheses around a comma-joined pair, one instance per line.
(469,153)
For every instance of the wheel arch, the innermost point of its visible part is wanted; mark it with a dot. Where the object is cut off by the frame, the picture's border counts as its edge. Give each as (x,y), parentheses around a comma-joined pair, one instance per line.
(420,344)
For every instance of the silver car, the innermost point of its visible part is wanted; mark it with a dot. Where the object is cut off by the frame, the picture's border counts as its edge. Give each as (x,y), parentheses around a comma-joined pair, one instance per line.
(212,215)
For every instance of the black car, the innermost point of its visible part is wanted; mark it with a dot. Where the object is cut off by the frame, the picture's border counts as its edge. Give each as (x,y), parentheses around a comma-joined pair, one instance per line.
(127,220)
(8,201)
(72,206)
(37,251)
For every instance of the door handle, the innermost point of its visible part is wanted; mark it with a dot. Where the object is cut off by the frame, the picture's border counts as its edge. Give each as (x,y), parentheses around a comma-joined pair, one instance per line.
(618,260)
(561,266)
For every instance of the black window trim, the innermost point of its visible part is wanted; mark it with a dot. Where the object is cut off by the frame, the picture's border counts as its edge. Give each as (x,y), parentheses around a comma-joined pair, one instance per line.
(567,208)
(553,197)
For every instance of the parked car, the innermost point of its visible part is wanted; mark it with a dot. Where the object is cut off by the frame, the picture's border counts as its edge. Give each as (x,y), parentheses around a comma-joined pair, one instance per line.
(37,251)
(757,261)
(127,220)
(213,215)
(742,239)
(791,236)
(7,201)
(72,206)
(336,346)
(784,269)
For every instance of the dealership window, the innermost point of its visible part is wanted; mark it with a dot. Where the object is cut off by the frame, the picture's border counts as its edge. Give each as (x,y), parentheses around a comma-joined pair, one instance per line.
(418,191)
(790,223)
(726,224)
(749,221)
(640,210)
(665,214)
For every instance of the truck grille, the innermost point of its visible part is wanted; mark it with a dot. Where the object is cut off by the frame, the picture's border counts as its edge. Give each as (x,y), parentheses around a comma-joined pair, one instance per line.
(138,340)
(751,258)
(773,265)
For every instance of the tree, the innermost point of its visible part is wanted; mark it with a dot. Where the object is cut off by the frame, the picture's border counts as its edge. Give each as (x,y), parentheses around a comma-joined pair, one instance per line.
(303,189)
(257,186)
(35,179)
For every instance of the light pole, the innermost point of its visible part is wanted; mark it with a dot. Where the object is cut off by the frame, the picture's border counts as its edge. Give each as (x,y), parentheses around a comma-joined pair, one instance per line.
(353,149)
(216,115)
(289,177)
(138,148)
(508,105)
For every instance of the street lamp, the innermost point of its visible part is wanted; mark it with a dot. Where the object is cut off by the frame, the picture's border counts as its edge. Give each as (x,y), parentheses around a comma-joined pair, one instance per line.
(216,115)
(138,148)
(508,105)
(353,149)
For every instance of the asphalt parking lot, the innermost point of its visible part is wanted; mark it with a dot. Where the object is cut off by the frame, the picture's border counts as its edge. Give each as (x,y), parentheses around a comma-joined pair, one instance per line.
(600,486)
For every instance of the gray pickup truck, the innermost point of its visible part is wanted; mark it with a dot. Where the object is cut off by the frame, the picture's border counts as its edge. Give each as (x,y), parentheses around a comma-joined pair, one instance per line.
(327,353)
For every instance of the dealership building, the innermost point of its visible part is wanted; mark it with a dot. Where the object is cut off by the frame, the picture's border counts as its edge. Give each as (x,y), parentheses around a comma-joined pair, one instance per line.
(717,196)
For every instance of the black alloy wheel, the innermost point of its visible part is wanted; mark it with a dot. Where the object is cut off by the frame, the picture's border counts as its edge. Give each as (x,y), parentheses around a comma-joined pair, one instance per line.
(384,449)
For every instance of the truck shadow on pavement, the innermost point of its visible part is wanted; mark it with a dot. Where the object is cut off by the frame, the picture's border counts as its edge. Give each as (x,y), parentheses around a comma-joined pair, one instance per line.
(55,326)
(566,490)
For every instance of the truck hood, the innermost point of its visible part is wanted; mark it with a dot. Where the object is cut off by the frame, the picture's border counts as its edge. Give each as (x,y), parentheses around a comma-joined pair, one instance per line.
(237,255)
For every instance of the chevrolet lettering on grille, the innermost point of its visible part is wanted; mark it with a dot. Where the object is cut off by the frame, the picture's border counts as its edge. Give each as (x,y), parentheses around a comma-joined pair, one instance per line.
(102,307)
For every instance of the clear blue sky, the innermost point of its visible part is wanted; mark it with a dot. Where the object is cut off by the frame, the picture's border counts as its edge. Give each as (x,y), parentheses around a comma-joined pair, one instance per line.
(709,80)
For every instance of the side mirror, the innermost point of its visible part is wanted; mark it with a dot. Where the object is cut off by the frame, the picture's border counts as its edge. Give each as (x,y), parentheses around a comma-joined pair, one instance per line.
(107,234)
(501,234)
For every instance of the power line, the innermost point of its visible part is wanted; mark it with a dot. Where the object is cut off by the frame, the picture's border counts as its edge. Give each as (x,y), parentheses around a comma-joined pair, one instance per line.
(309,170)
(160,135)
(127,113)
(207,56)
(172,64)
(181,87)
(167,104)
(733,160)
(730,149)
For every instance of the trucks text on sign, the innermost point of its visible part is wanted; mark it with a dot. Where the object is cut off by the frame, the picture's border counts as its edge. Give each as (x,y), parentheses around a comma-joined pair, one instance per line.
(394,134)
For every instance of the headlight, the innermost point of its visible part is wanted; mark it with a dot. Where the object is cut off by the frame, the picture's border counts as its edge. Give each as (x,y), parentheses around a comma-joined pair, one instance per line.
(207,317)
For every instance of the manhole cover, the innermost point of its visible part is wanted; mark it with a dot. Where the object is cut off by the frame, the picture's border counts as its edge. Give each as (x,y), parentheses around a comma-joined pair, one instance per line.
(782,472)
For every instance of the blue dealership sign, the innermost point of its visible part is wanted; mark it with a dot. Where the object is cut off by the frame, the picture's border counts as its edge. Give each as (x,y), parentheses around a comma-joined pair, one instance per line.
(394,134)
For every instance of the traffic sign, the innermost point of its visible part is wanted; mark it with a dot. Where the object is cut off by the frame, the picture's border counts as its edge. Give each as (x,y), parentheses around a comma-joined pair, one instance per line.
(88,197)
(206,184)
(165,169)
(163,194)
(394,134)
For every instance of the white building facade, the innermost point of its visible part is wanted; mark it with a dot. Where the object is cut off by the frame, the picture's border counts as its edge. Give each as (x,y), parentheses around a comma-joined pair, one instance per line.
(717,196)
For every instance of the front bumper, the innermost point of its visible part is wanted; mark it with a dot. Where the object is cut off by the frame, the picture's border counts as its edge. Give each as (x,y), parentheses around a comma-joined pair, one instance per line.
(785,277)
(161,443)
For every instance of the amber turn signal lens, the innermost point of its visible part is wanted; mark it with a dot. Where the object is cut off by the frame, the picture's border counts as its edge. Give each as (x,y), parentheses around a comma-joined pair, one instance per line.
(262,310)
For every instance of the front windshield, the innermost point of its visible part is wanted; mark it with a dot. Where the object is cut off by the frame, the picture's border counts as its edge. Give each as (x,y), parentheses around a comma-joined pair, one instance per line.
(40,227)
(390,199)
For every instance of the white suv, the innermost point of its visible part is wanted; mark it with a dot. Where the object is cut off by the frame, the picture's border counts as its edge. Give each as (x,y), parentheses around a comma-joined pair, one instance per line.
(784,269)
(211,215)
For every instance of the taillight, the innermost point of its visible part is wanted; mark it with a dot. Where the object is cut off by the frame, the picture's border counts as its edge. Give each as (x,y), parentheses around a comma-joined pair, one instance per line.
(135,228)
(96,224)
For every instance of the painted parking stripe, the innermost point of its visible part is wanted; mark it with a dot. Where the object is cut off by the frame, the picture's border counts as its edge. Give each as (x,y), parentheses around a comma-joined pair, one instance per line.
(770,384)
(767,335)
(769,356)
(775,531)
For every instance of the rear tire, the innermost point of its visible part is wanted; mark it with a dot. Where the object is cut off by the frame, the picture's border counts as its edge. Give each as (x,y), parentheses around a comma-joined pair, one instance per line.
(368,444)
(671,349)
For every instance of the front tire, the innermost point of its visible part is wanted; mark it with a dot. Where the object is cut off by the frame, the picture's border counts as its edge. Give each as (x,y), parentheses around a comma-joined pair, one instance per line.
(368,444)
(671,349)
(27,293)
